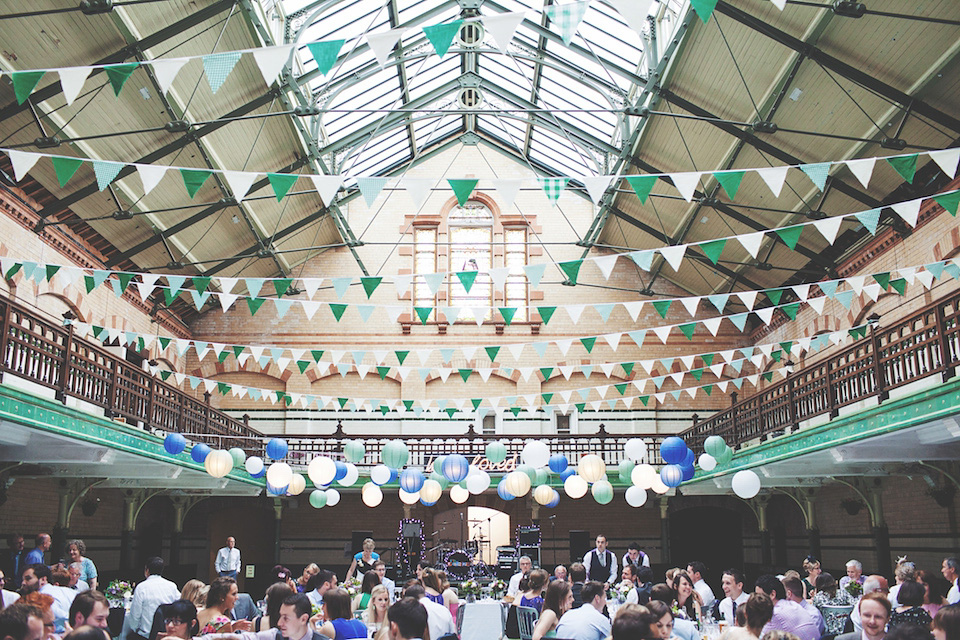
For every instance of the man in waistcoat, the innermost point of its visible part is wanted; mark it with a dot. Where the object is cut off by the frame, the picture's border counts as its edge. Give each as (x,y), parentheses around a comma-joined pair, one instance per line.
(601,564)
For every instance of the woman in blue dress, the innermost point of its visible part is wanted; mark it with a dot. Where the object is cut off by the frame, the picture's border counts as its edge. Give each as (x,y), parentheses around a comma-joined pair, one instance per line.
(340,623)
(536,583)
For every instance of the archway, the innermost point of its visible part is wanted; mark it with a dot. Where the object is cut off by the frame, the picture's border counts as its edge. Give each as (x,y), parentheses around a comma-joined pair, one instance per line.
(712,535)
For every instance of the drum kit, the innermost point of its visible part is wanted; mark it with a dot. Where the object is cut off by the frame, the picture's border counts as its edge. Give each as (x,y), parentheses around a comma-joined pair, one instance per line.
(462,562)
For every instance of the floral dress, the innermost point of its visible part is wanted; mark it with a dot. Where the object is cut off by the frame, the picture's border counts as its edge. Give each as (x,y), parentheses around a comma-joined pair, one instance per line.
(215,625)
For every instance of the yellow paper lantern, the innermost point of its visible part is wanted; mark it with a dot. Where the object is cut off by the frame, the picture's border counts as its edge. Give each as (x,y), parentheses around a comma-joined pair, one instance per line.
(517,483)
(431,490)
(297,484)
(543,494)
(592,468)
(218,463)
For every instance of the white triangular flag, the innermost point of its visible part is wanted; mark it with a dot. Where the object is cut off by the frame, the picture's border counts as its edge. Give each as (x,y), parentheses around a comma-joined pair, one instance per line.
(310,307)
(802,291)
(947,159)
(393,312)
(567,370)
(525,372)
(817,304)
(663,333)
(502,27)
(499,276)
(468,352)
(686,183)
(271,60)
(564,345)
(909,211)
(749,298)
(606,264)
(673,255)
(310,286)
(507,190)
(829,227)
(418,189)
(150,175)
(239,182)
(862,169)
(634,12)
(478,314)
(612,339)
(765,314)
(382,44)
(165,71)
(774,177)
(516,349)
(873,290)
(22,162)
(401,283)
(690,304)
(751,242)
(607,368)
(72,80)
(633,308)
(856,283)
(596,186)
(687,361)
(712,325)
(145,290)
(575,311)
(327,187)
(227,300)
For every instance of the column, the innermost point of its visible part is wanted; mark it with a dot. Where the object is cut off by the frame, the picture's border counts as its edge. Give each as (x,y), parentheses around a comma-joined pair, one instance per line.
(878,528)
(277,515)
(130,504)
(664,531)
(61,531)
(813,531)
(766,557)
(176,536)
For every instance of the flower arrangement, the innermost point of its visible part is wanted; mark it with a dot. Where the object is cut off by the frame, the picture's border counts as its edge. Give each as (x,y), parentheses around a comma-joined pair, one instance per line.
(854,588)
(621,591)
(497,589)
(316,610)
(117,590)
(470,588)
(352,586)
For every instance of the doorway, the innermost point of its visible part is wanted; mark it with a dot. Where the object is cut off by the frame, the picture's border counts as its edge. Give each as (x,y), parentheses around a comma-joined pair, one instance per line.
(712,535)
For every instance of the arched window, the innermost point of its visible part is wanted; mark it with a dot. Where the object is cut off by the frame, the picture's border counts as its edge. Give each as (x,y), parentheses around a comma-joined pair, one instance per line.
(471,249)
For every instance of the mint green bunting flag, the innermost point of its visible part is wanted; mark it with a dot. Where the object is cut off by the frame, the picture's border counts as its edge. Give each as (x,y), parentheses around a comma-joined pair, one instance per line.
(24,83)
(704,8)
(828,287)
(571,268)
(441,36)
(790,235)
(730,181)
(462,189)
(325,53)
(370,188)
(466,279)
(642,186)
(713,249)
(604,310)
(280,285)
(546,313)
(662,306)
(739,320)
(193,179)
(936,268)
(588,343)
(65,168)
(217,66)
(118,74)
(791,310)
(949,201)
(281,183)
(566,18)
(253,304)
(688,329)
(337,310)
(845,298)
(507,313)
(869,219)
(106,172)
(553,187)
(906,166)
(817,173)
(423,313)
(370,284)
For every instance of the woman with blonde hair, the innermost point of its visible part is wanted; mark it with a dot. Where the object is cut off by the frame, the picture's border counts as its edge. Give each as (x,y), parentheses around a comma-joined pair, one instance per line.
(375,615)
(364,560)
(196,592)
(812,566)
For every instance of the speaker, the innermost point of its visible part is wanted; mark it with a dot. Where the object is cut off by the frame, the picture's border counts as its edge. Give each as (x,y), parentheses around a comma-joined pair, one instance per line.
(356,541)
(579,545)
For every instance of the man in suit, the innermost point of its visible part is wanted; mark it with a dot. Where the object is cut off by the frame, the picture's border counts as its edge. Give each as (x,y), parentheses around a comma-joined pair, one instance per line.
(601,563)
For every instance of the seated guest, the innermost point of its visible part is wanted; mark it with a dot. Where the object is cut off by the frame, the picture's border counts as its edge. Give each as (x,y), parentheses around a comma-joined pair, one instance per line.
(322,582)
(308,572)
(928,600)
(635,556)
(292,624)
(911,609)
(946,624)
(220,599)
(661,621)
(513,587)
(90,608)
(196,592)
(870,584)
(587,622)
(827,596)
(732,584)
(439,620)
(77,583)
(682,628)
(695,571)
(754,614)
(86,632)
(154,591)
(7,598)
(62,595)
(670,574)
(787,616)
(408,620)
(644,584)
(370,580)
(276,594)
(628,580)
(905,571)
(794,589)
(688,602)
(631,622)
(854,574)
(578,577)
(44,604)
(533,596)
(874,615)
(558,601)
(450,599)
(559,573)
(179,620)
(340,623)
(432,585)
(375,615)
(812,567)
(21,621)
(381,568)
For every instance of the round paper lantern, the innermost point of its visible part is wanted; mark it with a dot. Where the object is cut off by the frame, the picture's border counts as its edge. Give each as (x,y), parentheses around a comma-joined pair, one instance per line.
(478,482)
(409,498)
(502,491)
(411,480)
(543,494)
(279,474)
(635,449)
(592,468)
(566,473)
(239,456)
(218,463)
(636,496)
(254,465)
(602,491)
(318,498)
(277,448)
(321,471)
(440,478)
(430,491)
(174,443)
(438,464)
(575,487)
(276,491)
(458,494)
(455,467)
(746,484)
(558,463)
(200,452)
(352,475)
(554,501)
(380,474)
(714,445)
(333,497)
(707,462)
(725,456)
(529,471)
(496,452)
(643,476)
(342,470)
(541,476)
(625,469)
(518,483)
(297,484)
(535,453)
(260,474)
(371,495)
(354,451)
(395,454)
(658,487)
(673,450)
(672,475)
(688,472)
(689,458)
(427,503)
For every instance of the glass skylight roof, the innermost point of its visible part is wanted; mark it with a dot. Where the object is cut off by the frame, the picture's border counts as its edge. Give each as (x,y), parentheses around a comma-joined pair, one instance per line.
(557,108)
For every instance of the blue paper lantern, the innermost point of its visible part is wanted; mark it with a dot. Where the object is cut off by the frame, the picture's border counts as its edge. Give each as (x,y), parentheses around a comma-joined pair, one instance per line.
(263,472)
(689,459)
(558,463)
(411,480)
(502,491)
(174,443)
(673,450)
(672,475)
(427,504)
(687,472)
(276,491)
(200,452)
(554,501)
(277,448)
(566,473)
(456,467)
(342,470)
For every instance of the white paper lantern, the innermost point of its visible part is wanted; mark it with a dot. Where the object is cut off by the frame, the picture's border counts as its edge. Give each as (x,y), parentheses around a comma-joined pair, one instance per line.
(636,496)
(658,487)
(575,487)
(707,462)
(371,494)
(478,482)
(380,474)
(643,476)
(279,474)
(218,463)
(431,490)
(517,483)
(635,449)
(458,494)
(333,497)
(409,498)
(297,484)
(746,484)
(535,453)
(254,465)
(592,468)
(353,474)
(322,471)
(543,494)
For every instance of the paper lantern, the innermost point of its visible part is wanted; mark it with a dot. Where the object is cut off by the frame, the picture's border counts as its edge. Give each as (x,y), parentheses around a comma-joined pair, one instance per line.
(543,494)
(636,497)
(554,500)
(321,471)
(333,497)
(625,469)
(427,503)
(174,443)
(218,463)
(395,454)
(354,451)
(409,498)
(672,475)
(518,483)
(529,471)
(458,494)
(558,463)
(688,472)
(430,491)
(318,498)
(602,491)
(277,448)
(575,487)
(200,452)
(351,477)
(714,445)
(592,468)
(276,491)
(371,495)
(496,452)
(707,462)
(279,474)
(635,449)
(341,470)
(541,476)
(478,482)
(502,491)
(441,479)
(566,473)
(438,464)
(746,484)
(455,467)
(673,450)
(380,474)
(254,465)
(658,487)
(535,453)
(689,458)
(643,476)
(411,480)
(297,484)
(725,456)
(239,456)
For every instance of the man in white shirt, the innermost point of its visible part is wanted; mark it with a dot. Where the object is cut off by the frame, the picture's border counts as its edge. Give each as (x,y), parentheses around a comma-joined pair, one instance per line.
(526,565)
(601,563)
(408,620)
(293,624)
(439,619)
(323,582)
(381,568)
(154,591)
(696,570)
(56,587)
(635,556)
(854,574)
(228,560)
(76,582)
(732,584)
(949,569)
(9,597)
(587,622)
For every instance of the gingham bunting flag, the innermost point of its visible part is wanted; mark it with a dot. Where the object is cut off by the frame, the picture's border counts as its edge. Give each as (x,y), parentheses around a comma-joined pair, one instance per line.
(566,18)
(217,66)
(553,187)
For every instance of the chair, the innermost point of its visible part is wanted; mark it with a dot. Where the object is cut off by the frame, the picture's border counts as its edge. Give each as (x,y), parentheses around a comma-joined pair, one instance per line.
(480,620)
(526,621)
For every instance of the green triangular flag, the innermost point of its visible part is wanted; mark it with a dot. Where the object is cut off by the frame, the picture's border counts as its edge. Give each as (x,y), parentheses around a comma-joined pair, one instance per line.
(302,365)
(547,397)
(165,374)
(545,372)
(707,358)
(900,285)
(546,313)
(791,310)
(476,402)
(441,35)
(581,406)
(949,201)
(688,329)
(713,249)
(464,373)
(786,346)
(621,388)
(200,283)
(125,279)
(370,284)
(869,219)
(65,168)
(571,268)
(342,402)
(237,350)
(164,343)
(281,285)
(254,304)
(883,279)
(768,376)
(118,74)
(281,183)
(169,296)
(383,371)
(774,295)
(325,53)
(515,411)
(642,186)
(193,179)
(384,409)
(401,355)
(906,166)
(790,235)
(52,271)
(644,400)
(627,367)
(730,181)
(316,355)
(466,279)
(462,189)
(507,313)
(588,343)
(16,267)
(492,352)
(704,8)
(662,306)
(697,374)
(337,310)
(423,313)
(708,389)
(450,411)
(24,83)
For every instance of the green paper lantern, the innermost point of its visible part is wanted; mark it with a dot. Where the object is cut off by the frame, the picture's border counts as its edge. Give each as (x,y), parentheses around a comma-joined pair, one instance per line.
(496,452)
(602,491)
(626,469)
(440,479)
(529,471)
(714,445)
(725,456)
(395,454)
(541,477)
(318,498)
(354,451)
(239,456)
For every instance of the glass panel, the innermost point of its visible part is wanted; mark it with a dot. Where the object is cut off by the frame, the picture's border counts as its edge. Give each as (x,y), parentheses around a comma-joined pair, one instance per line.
(424,261)
(471,237)
(515,257)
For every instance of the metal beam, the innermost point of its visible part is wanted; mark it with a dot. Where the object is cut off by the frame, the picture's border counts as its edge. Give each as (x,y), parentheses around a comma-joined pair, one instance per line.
(535,89)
